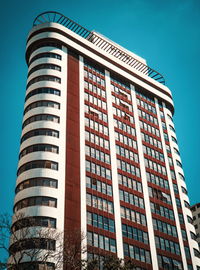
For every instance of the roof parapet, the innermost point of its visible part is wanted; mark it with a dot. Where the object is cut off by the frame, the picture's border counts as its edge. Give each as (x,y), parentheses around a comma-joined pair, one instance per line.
(99,41)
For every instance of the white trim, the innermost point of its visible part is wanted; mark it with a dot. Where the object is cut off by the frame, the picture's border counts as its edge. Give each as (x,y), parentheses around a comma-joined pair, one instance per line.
(115,186)
(144,183)
(82,158)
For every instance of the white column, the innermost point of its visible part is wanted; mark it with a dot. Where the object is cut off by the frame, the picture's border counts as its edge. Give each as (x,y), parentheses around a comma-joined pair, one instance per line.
(144,183)
(115,186)
(82,158)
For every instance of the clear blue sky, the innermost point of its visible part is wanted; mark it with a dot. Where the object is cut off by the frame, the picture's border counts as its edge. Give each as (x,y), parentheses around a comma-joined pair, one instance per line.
(165,33)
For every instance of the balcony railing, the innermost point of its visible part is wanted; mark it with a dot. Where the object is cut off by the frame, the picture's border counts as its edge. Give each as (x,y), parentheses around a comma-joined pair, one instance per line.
(51,16)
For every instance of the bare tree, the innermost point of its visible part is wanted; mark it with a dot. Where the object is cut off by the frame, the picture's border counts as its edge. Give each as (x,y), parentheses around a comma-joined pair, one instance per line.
(28,242)
(31,246)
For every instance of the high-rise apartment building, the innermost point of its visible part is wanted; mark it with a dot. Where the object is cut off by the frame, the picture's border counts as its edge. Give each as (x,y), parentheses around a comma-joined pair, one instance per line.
(99,150)
(196,221)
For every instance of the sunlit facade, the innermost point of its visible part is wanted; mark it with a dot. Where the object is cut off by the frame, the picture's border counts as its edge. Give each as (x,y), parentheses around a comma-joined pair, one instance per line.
(99,150)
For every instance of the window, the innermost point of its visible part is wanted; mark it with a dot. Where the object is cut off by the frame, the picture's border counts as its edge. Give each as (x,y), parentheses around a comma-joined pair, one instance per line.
(162,211)
(184,190)
(157,180)
(150,129)
(181,219)
(38,164)
(33,243)
(98,140)
(38,200)
(187,204)
(99,186)
(176,151)
(174,139)
(44,66)
(181,177)
(38,181)
(39,147)
(34,221)
(170,117)
(178,203)
(97,169)
(155,166)
(95,89)
(126,167)
(167,245)
(175,188)
(129,182)
(100,203)
(125,140)
(133,215)
(196,253)
(124,104)
(172,128)
(125,127)
(173,175)
(93,124)
(97,154)
(40,132)
(101,222)
(148,117)
(160,195)
(123,114)
(151,140)
(41,117)
(99,104)
(135,233)
(187,253)
(178,163)
(153,153)
(146,105)
(101,241)
(124,152)
(45,55)
(43,90)
(164,227)
(169,263)
(137,253)
(130,198)
(184,235)
(122,91)
(193,236)
(44,78)
(42,103)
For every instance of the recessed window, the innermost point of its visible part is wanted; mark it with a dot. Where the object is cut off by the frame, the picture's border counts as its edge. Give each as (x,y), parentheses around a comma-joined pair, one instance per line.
(38,181)
(38,164)
(44,78)
(41,117)
(44,66)
(39,147)
(43,90)
(33,201)
(40,132)
(45,55)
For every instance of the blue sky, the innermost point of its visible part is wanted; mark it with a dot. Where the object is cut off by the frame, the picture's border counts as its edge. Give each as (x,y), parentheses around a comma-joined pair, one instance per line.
(165,33)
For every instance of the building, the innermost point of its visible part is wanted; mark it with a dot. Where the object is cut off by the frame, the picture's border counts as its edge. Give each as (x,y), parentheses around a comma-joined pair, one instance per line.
(99,150)
(196,221)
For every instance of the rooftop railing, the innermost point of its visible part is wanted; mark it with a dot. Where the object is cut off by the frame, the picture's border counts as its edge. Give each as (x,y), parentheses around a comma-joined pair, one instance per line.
(51,16)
